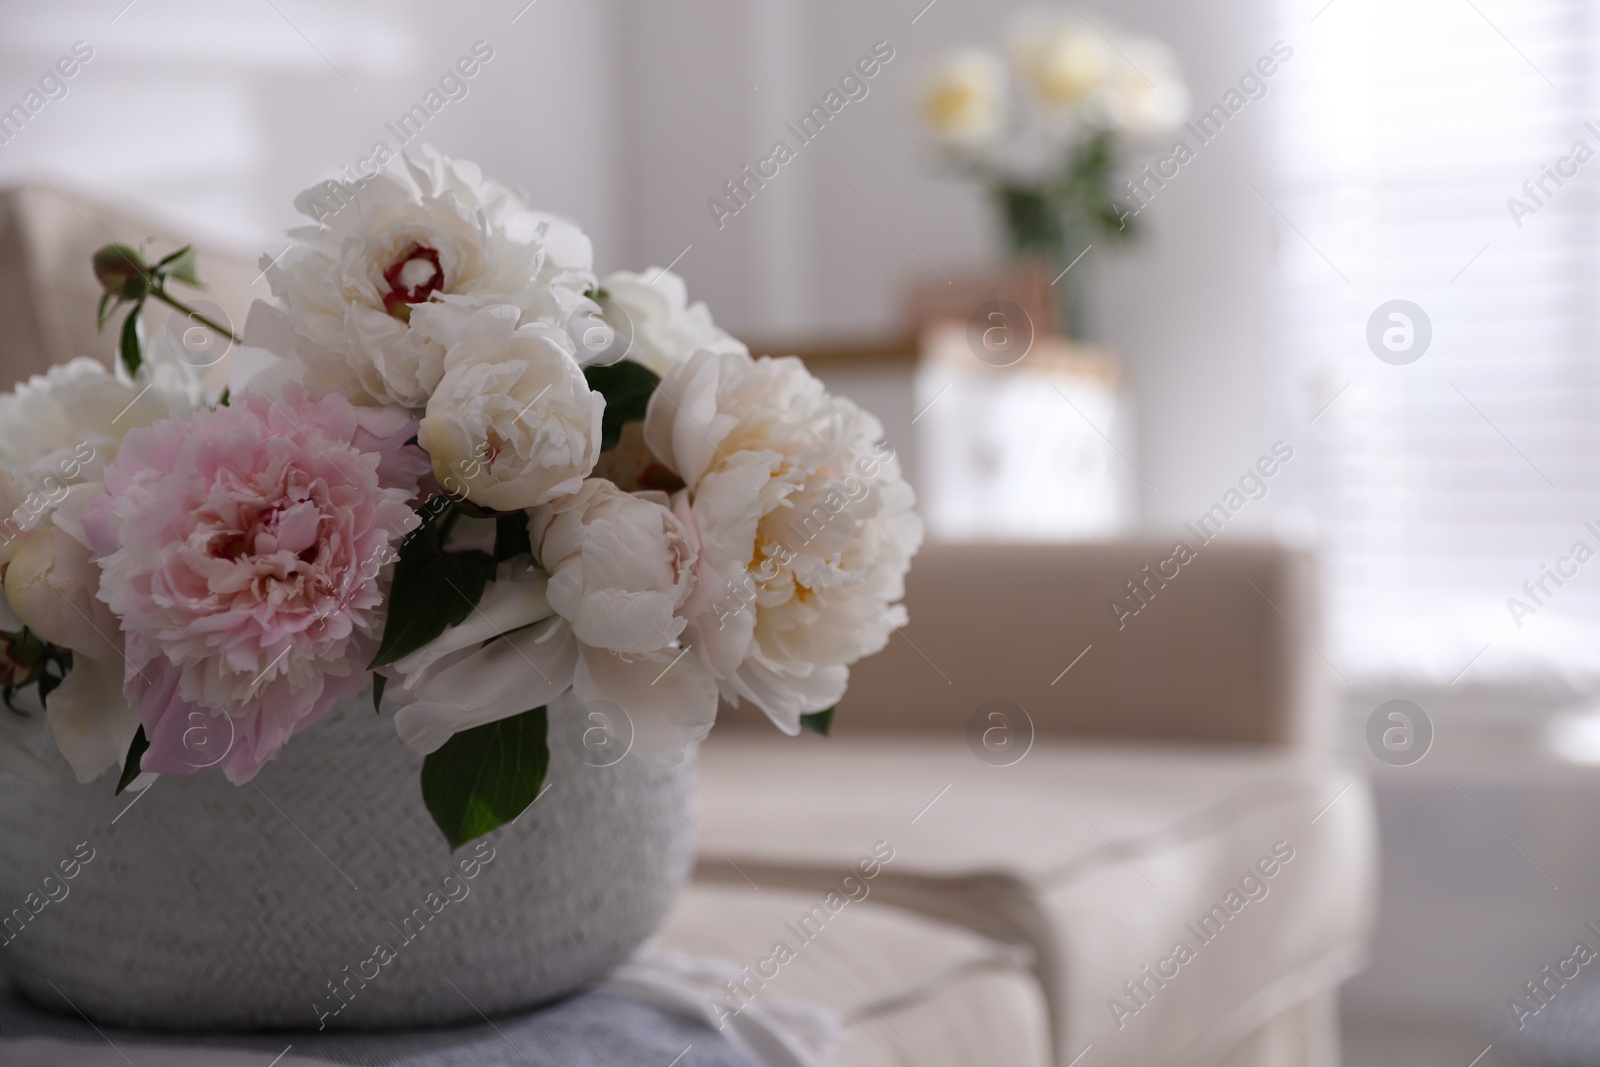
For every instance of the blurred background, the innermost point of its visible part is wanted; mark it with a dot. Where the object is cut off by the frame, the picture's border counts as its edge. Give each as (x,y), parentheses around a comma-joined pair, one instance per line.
(1443,451)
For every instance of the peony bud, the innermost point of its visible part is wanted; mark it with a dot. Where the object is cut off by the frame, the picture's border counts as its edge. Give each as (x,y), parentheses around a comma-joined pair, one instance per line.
(122,272)
(51,584)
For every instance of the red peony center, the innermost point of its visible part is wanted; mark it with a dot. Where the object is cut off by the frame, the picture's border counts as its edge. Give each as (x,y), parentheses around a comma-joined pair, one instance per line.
(413,278)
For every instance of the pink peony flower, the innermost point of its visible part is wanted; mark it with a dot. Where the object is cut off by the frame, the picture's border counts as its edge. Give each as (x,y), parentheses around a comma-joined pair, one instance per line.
(243,549)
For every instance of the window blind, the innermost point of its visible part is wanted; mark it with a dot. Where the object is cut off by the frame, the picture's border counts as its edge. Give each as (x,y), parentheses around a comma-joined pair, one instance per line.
(1446,153)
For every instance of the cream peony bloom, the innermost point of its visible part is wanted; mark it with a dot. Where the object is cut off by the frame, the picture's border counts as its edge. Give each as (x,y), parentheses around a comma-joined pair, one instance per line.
(509,656)
(1145,94)
(60,429)
(620,566)
(964,97)
(655,323)
(431,230)
(51,585)
(669,698)
(803,525)
(1061,60)
(513,654)
(512,423)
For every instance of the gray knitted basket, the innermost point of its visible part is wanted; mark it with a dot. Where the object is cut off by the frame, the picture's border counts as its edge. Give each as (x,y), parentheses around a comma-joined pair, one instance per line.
(204,905)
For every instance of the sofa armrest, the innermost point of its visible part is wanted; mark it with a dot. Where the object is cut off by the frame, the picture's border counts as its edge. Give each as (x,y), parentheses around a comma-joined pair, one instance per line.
(48,290)
(1117,639)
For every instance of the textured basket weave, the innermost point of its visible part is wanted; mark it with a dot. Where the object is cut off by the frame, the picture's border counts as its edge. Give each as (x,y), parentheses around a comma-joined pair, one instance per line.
(213,906)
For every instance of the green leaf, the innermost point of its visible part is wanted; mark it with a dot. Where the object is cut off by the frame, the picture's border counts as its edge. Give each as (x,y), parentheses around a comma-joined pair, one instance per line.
(129,349)
(130,765)
(180,265)
(818,722)
(485,777)
(1117,222)
(1033,220)
(227,395)
(103,312)
(48,683)
(379,683)
(627,387)
(511,536)
(29,650)
(433,590)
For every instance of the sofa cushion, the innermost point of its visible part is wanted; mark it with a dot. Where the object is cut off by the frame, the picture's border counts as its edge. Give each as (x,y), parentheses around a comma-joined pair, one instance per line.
(1175,901)
(906,989)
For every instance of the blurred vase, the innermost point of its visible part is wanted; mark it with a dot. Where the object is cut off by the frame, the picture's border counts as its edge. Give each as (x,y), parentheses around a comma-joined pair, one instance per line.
(322,894)
(1039,230)
(1055,220)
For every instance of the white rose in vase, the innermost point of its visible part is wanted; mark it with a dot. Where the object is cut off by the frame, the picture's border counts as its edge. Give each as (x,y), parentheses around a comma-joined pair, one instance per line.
(1145,94)
(964,98)
(1061,59)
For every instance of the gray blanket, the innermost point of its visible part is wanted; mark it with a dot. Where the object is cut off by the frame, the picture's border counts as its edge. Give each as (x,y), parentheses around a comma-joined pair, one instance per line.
(588,1030)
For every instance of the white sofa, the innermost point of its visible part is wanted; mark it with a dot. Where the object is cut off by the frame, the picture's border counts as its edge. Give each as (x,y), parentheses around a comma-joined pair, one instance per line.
(1175,755)
(1086,862)
(1081,868)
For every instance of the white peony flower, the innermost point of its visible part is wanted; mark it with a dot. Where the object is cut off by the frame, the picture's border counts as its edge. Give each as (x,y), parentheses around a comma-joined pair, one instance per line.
(651,314)
(433,230)
(1061,59)
(669,698)
(620,566)
(90,720)
(1145,94)
(502,660)
(513,655)
(60,429)
(964,98)
(803,525)
(512,423)
(51,585)
(1098,75)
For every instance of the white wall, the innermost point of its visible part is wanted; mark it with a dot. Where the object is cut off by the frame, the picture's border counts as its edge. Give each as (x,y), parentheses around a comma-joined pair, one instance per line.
(221,115)
(816,254)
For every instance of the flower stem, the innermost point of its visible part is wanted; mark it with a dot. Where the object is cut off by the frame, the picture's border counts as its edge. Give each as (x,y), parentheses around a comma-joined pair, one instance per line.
(161,294)
(451,517)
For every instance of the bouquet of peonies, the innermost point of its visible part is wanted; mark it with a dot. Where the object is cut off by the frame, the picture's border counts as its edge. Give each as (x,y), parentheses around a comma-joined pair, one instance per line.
(1041,128)
(453,465)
